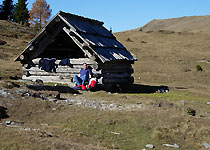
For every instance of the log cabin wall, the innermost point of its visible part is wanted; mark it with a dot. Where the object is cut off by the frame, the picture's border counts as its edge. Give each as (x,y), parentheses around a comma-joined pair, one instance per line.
(106,73)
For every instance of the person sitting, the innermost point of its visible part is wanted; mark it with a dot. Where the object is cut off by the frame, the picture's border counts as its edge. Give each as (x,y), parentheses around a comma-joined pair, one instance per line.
(84,75)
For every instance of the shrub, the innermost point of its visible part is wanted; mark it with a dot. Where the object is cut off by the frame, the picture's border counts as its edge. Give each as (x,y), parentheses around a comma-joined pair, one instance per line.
(199,68)
(191,111)
(129,40)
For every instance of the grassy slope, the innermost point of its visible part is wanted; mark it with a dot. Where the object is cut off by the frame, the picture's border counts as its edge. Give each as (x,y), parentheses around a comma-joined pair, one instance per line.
(16,37)
(187,23)
(163,60)
(170,58)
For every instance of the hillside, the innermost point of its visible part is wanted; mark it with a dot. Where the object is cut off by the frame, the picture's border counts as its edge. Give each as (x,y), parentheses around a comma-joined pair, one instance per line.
(14,38)
(170,58)
(104,120)
(187,23)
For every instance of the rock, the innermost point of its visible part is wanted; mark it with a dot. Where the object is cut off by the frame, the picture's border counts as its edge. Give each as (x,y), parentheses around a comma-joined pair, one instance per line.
(150,146)
(2,42)
(14,77)
(206,145)
(169,145)
(38,81)
(58,96)
(26,94)
(115,133)
(37,95)
(183,102)
(4,93)
(10,85)
(12,123)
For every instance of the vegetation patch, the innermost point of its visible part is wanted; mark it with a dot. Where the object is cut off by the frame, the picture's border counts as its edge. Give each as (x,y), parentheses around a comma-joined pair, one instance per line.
(199,68)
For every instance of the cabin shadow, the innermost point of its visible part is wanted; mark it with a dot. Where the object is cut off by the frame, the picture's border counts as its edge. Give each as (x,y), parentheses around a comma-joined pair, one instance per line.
(139,88)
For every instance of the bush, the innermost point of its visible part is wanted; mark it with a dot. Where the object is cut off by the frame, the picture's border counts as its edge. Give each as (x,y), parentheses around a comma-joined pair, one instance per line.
(199,68)
(129,40)
(191,111)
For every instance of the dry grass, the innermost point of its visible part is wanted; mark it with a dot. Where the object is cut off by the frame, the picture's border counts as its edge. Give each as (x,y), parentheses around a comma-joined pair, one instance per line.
(164,58)
(188,23)
(170,59)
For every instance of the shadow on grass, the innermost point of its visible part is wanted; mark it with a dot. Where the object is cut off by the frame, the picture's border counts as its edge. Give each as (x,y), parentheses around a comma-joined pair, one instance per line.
(139,88)
(60,89)
(3,113)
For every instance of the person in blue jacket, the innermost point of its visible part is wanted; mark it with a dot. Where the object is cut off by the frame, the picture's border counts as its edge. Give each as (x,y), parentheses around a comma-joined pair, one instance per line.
(83,76)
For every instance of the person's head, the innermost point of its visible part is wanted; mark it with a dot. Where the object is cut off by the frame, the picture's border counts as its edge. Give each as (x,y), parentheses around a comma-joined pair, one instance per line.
(84,66)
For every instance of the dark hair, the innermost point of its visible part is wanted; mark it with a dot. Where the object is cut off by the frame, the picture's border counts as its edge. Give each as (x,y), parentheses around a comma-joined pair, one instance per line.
(84,63)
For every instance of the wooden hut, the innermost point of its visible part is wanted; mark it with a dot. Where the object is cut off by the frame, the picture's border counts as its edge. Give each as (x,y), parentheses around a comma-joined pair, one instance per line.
(81,40)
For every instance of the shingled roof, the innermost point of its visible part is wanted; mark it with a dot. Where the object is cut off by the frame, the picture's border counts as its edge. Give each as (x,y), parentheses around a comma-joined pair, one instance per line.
(95,38)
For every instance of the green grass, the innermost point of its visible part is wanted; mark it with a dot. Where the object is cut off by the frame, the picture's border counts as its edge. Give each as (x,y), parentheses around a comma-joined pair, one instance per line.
(103,126)
(129,98)
(174,96)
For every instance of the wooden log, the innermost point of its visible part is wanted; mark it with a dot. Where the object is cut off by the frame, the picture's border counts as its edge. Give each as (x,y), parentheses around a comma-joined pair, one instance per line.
(73,61)
(36,73)
(115,66)
(116,76)
(61,69)
(46,78)
(21,57)
(129,70)
(31,48)
(103,71)
(115,81)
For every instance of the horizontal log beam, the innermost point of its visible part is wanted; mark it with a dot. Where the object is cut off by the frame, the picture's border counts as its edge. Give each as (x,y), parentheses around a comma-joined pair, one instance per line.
(114,81)
(55,79)
(73,61)
(117,76)
(61,69)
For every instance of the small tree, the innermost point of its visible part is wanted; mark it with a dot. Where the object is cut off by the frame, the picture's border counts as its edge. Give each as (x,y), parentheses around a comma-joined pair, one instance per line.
(21,13)
(39,13)
(6,10)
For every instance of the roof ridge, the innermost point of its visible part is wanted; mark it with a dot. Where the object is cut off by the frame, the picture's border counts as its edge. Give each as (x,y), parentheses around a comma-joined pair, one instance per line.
(82,18)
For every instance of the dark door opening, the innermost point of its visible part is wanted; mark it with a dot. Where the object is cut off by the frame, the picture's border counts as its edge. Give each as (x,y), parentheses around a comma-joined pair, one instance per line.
(62,47)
